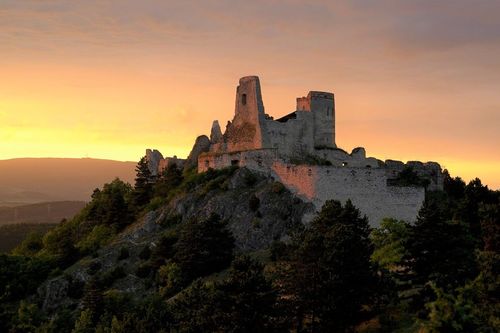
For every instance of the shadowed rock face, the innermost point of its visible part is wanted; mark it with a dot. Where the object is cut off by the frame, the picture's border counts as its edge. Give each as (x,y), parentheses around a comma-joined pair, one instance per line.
(278,211)
(201,145)
(254,228)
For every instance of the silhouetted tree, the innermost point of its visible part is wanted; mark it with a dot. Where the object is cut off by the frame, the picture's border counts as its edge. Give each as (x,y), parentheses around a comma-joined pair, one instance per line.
(248,299)
(143,188)
(439,250)
(332,276)
(168,180)
(110,206)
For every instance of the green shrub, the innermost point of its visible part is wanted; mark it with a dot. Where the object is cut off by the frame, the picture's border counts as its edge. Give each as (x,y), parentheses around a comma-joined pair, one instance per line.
(408,177)
(31,245)
(156,203)
(94,267)
(250,179)
(170,278)
(165,246)
(108,278)
(98,237)
(75,286)
(193,180)
(171,220)
(256,223)
(279,251)
(254,203)
(277,188)
(143,270)
(145,253)
(124,253)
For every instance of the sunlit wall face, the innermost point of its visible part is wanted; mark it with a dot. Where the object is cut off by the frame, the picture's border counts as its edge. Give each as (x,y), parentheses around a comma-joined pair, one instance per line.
(413,81)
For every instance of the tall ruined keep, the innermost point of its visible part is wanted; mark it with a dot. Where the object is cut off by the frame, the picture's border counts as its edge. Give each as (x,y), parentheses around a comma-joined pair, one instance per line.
(299,150)
(310,127)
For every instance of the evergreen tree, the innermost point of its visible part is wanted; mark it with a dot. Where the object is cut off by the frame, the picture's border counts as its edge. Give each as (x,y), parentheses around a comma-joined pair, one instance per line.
(203,247)
(475,194)
(170,178)
(333,276)
(196,309)
(110,206)
(143,188)
(453,187)
(389,241)
(439,250)
(248,299)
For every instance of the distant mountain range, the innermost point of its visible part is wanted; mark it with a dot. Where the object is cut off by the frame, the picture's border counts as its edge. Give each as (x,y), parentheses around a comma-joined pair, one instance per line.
(34,180)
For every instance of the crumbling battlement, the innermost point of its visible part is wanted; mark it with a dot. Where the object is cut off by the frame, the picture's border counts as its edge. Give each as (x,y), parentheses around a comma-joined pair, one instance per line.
(157,163)
(299,150)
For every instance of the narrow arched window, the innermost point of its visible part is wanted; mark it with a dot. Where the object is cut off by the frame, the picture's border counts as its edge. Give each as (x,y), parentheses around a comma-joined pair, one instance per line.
(244,99)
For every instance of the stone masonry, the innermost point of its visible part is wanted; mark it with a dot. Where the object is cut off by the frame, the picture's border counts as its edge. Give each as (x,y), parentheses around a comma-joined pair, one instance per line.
(299,150)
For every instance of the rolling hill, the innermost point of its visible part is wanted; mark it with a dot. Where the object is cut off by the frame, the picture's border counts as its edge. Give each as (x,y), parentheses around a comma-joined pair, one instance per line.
(46,212)
(34,180)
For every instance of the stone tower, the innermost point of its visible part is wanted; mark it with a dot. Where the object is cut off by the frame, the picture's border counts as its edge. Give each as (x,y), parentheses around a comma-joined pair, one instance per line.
(323,109)
(322,106)
(245,132)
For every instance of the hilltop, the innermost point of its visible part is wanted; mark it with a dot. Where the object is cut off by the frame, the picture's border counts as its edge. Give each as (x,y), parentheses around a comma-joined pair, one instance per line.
(210,252)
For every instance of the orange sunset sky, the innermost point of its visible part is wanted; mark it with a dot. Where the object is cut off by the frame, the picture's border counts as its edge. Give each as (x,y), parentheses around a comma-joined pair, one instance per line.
(413,80)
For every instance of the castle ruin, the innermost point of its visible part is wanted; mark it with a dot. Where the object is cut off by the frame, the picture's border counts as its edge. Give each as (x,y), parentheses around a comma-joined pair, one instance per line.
(299,150)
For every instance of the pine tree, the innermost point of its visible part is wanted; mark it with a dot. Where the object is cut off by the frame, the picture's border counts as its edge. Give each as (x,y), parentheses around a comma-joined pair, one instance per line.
(143,188)
(333,276)
(439,250)
(203,247)
(248,299)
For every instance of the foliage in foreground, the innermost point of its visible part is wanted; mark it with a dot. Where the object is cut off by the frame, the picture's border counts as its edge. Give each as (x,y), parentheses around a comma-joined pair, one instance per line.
(335,275)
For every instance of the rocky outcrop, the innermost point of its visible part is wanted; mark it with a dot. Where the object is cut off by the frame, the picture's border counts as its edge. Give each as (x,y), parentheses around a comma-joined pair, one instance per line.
(257,209)
(254,226)
(201,145)
(153,157)
(216,133)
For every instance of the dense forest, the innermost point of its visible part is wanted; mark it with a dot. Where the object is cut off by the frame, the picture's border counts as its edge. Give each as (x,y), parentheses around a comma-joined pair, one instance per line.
(11,235)
(334,274)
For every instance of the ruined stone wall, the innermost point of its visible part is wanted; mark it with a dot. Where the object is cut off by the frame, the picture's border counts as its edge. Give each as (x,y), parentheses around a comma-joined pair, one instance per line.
(366,188)
(306,137)
(293,137)
(357,158)
(259,160)
(157,163)
(428,170)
